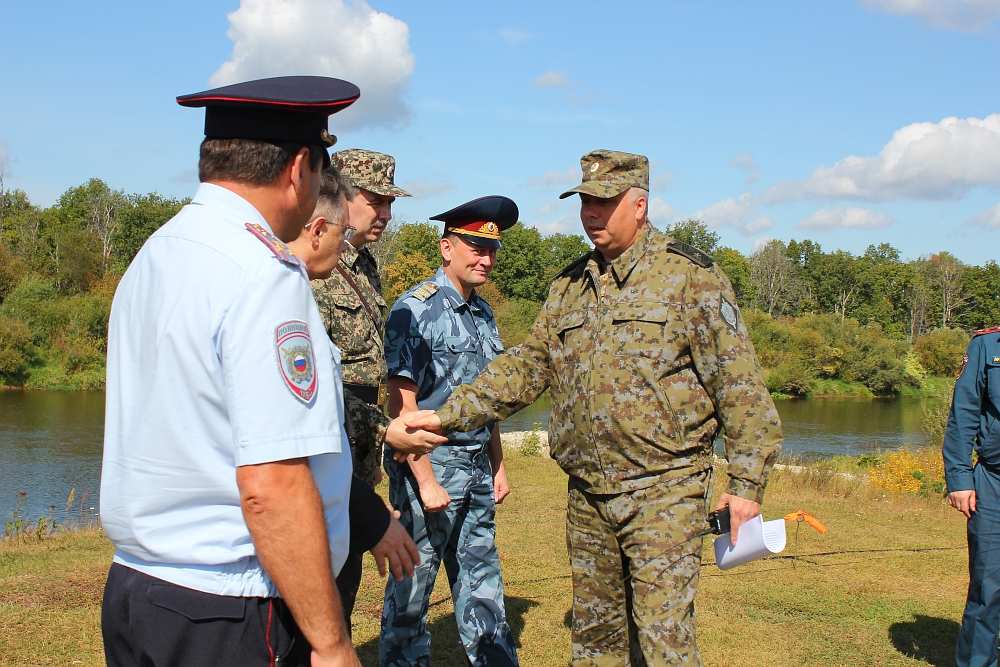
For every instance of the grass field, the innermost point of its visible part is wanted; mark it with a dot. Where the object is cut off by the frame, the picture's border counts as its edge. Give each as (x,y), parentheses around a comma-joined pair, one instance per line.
(884,586)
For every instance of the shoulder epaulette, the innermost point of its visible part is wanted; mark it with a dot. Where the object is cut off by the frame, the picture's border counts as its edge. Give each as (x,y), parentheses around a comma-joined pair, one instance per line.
(576,263)
(702,259)
(277,246)
(981,332)
(424,291)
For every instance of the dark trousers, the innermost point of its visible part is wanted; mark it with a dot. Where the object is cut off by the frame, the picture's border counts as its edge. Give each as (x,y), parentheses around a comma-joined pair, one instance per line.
(148,622)
(348,583)
(977,640)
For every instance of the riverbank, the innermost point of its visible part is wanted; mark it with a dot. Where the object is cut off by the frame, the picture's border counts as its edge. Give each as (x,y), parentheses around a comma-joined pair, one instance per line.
(884,586)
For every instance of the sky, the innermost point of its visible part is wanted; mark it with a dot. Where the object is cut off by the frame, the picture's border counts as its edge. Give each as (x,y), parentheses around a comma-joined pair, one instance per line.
(848,122)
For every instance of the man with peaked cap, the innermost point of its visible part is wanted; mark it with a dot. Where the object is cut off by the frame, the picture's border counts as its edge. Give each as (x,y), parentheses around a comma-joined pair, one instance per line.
(226,469)
(353,311)
(643,348)
(441,334)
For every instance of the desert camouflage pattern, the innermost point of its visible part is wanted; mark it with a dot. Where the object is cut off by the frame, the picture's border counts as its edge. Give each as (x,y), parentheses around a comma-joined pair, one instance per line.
(607,174)
(649,619)
(440,341)
(644,369)
(369,170)
(360,341)
(464,537)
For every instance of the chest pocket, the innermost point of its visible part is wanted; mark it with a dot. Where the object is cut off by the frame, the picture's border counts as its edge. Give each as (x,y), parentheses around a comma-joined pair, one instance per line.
(639,328)
(570,330)
(461,354)
(346,300)
(993,379)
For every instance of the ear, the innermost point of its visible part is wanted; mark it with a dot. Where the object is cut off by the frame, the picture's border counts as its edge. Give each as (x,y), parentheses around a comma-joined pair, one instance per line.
(640,209)
(298,168)
(446,249)
(317,228)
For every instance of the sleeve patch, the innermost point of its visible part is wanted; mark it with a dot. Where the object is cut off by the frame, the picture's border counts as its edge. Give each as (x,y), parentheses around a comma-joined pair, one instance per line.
(729,313)
(296,361)
(276,245)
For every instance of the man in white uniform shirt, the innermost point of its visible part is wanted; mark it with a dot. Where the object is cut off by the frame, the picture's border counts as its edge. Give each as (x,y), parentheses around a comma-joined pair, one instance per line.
(226,468)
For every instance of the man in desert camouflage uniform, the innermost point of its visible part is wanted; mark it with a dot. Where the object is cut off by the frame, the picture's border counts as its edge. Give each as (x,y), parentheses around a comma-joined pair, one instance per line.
(647,357)
(353,310)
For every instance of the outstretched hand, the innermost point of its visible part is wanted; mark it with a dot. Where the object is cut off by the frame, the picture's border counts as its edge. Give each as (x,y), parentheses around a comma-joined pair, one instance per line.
(409,440)
(424,419)
(741,510)
(398,548)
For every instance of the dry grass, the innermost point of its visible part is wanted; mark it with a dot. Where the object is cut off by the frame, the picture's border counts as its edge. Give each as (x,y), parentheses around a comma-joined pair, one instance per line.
(892,595)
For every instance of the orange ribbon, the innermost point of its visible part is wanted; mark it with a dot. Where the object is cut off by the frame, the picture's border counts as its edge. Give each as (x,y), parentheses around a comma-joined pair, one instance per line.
(799,515)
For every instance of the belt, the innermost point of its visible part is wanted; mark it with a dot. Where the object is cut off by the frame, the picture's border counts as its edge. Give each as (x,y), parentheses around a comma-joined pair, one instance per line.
(369,394)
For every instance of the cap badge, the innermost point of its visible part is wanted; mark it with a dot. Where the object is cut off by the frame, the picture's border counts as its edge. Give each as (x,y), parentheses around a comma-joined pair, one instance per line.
(594,167)
(295,359)
(491,227)
(388,172)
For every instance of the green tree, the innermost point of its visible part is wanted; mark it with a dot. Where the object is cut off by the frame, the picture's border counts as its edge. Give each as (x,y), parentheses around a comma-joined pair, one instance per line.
(521,264)
(696,233)
(142,216)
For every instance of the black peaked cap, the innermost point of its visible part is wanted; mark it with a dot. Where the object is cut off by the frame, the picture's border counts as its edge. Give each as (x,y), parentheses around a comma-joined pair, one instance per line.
(283,108)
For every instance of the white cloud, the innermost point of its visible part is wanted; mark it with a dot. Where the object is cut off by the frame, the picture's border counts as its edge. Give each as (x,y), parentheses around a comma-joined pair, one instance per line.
(550,207)
(761,242)
(347,40)
(660,211)
(962,15)
(550,80)
(564,224)
(661,182)
(922,161)
(426,189)
(571,176)
(990,218)
(732,212)
(513,36)
(4,156)
(846,218)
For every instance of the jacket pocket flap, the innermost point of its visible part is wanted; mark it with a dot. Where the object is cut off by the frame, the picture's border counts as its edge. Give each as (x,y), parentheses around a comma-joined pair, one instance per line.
(456,344)
(571,320)
(496,344)
(644,311)
(195,605)
(346,300)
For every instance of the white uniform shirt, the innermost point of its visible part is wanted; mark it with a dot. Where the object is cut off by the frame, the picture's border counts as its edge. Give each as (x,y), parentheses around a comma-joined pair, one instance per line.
(203,377)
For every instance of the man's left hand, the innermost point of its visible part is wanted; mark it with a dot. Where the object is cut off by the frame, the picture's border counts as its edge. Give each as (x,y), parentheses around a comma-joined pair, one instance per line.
(741,510)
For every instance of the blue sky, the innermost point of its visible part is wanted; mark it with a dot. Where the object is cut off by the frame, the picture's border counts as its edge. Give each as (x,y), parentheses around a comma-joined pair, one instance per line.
(849,122)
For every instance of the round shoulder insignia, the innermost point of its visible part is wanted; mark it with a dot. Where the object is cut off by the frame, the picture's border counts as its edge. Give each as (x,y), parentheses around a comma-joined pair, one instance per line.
(295,359)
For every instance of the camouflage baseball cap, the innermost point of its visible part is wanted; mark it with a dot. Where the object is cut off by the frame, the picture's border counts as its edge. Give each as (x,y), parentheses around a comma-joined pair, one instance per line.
(369,170)
(607,174)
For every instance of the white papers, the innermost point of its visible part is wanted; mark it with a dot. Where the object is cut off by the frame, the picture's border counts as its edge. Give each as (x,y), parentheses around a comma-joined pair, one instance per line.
(757,538)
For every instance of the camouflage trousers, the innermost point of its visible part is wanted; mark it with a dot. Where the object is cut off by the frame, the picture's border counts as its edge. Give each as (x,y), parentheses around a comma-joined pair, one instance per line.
(464,537)
(649,620)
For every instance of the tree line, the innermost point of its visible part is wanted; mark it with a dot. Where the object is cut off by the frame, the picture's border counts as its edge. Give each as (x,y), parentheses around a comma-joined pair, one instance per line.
(820,320)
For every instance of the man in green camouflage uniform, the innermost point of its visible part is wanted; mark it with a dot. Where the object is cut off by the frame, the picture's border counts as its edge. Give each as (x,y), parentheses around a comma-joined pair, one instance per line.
(353,310)
(647,357)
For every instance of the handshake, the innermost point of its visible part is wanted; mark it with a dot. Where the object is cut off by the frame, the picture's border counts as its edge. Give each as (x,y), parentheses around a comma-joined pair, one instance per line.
(416,433)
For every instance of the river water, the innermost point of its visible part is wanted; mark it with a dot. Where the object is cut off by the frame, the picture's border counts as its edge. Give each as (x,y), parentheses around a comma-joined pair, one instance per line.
(50,441)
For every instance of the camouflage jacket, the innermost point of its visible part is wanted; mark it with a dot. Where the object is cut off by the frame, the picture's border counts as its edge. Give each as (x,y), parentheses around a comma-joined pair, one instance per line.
(645,363)
(360,340)
(347,320)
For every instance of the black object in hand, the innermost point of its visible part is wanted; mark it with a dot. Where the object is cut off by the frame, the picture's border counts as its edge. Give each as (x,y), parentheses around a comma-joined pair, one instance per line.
(719,521)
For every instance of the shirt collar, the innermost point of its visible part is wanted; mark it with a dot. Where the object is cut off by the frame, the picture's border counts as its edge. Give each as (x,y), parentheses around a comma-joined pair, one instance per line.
(625,262)
(219,197)
(350,255)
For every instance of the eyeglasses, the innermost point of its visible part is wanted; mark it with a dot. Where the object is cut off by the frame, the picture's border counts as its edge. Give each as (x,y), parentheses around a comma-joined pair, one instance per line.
(348,229)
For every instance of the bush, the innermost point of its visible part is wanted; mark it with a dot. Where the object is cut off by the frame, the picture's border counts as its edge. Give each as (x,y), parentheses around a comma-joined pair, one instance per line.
(16,352)
(941,351)
(28,304)
(904,471)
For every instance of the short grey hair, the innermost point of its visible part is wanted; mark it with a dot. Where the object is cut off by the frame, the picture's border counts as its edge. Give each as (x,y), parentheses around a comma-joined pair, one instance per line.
(332,186)
(635,192)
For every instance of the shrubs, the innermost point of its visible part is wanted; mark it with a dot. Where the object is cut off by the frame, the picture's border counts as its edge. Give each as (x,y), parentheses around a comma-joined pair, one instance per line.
(941,351)
(905,471)
(16,352)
